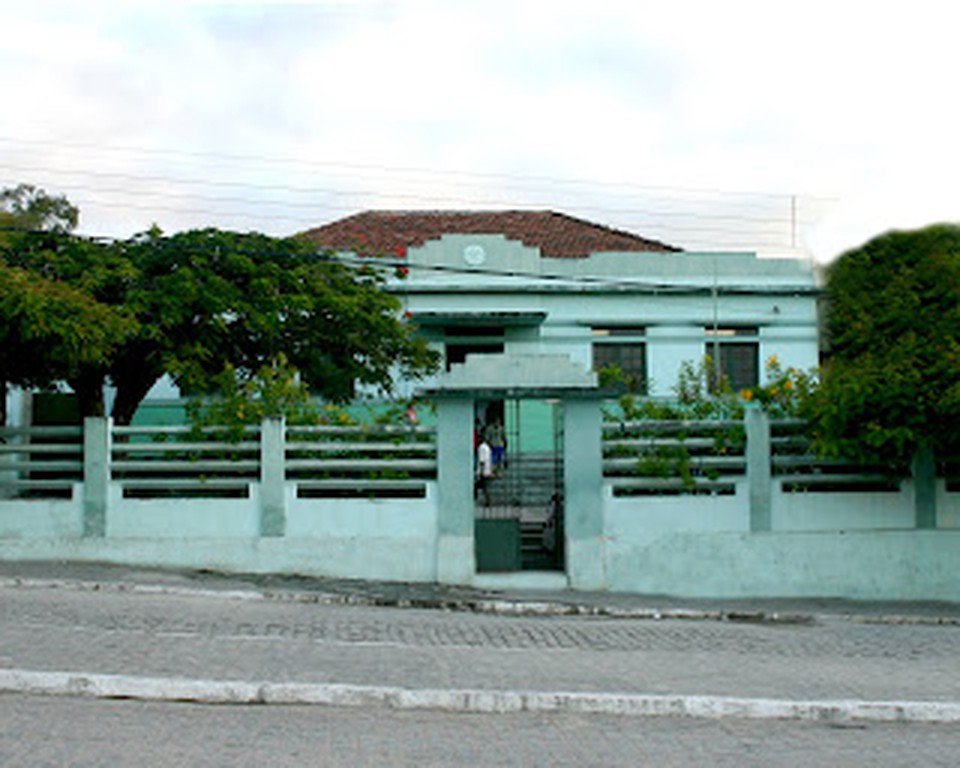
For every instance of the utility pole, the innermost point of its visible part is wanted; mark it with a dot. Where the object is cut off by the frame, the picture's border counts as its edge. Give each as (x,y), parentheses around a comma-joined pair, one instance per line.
(793,221)
(715,292)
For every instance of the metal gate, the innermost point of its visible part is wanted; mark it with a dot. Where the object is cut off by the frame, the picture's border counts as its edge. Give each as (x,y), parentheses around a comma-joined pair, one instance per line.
(519,510)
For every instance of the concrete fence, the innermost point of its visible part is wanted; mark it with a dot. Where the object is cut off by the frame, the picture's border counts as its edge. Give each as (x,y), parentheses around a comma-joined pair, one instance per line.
(341,501)
(712,509)
(744,508)
(766,476)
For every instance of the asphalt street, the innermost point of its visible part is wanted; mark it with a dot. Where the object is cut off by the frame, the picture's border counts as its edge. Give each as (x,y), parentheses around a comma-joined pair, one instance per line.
(221,637)
(53,732)
(149,630)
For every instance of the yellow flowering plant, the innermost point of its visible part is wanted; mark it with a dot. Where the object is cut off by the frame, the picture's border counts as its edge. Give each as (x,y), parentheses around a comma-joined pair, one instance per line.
(786,392)
(240,401)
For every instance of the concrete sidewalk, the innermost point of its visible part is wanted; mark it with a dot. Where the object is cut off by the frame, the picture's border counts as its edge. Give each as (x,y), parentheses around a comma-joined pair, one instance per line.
(106,577)
(116,632)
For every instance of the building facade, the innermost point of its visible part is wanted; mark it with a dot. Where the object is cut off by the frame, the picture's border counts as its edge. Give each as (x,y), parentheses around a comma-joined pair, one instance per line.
(539,282)
(524,306)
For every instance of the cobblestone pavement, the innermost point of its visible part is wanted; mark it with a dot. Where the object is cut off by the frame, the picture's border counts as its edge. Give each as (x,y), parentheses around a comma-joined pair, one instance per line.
(219,637)
(37,732)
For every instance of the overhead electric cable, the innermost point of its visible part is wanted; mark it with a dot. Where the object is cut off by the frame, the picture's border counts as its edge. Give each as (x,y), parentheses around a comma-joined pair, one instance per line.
(301,162)
(392,264)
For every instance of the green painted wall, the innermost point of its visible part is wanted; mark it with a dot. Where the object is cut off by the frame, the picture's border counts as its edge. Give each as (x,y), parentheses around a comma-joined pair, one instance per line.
(535,421)
(160,413)
(819,545)
(864,565)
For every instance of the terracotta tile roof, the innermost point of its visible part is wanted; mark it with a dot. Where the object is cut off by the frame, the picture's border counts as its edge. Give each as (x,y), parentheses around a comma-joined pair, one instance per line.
(557,235)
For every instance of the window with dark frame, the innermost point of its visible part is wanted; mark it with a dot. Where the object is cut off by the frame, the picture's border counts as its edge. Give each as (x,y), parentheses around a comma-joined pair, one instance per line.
(735,354)
(628,353)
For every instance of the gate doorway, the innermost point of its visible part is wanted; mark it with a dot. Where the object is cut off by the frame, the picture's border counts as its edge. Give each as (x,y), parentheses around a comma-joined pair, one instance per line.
(519,494)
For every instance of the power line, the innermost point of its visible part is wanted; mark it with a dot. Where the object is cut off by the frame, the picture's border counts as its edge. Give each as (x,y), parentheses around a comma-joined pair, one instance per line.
(392,264)
(445,199)
(693,224)
(780,219)
(679,219)
(354,166)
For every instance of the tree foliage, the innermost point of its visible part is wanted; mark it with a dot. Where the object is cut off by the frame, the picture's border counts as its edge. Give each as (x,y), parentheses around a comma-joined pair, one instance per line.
(892,380)
(192,305)
(210,299)
(32,209)
(787,392)
(239,401)
(51,329)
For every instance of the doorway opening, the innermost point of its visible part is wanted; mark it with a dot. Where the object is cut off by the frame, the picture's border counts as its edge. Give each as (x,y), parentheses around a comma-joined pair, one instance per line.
(519,494)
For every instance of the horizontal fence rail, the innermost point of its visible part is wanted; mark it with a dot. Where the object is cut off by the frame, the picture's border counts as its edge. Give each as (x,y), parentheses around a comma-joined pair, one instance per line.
(164,462)
(655,458)
(40,462)
(649,458)
(798,469)
(640,458)
(375,461)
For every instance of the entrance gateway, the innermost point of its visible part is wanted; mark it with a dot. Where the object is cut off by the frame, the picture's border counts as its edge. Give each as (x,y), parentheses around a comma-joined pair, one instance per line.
(519,491)
(519,475)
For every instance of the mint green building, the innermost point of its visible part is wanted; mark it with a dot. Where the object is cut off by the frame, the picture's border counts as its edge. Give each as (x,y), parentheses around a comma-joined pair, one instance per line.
(539,282)
(538,296)
(514,479)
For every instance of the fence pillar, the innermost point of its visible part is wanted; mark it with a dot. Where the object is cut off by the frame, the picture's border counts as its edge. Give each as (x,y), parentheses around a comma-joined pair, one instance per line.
(583,493)
(96,474)
(759,480)
(273,499)
(456,558)
(925,487)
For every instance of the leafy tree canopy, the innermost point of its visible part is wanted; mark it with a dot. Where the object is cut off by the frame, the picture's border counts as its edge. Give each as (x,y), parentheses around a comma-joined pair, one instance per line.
(892,380)
(51,329)
(210,299)
(31,208)
(190,305)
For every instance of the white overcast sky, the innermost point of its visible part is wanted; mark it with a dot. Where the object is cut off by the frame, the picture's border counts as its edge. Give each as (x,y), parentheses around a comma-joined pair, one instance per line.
(780,127)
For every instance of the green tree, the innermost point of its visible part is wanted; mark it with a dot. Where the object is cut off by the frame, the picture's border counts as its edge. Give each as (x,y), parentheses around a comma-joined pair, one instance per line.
(50,329)
(62,265)
(209,300)
(31,208)
(237,402)
(198,303)
(890,388)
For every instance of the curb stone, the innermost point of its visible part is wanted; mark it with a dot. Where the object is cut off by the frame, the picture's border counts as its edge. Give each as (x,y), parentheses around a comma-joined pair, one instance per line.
(235,692)
(500,607)
(471,604)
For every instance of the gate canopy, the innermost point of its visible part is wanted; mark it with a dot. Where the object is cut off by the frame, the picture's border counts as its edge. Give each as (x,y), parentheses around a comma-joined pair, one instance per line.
(512,375)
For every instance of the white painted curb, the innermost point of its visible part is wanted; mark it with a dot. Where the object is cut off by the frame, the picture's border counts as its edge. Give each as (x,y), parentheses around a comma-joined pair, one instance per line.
(470,700)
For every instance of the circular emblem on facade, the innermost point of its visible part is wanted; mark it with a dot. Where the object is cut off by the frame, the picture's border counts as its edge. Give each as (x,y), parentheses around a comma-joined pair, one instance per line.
(474,255)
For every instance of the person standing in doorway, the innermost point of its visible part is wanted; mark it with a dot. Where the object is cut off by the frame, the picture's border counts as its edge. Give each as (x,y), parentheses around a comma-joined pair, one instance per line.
(498,444)
(484,470)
